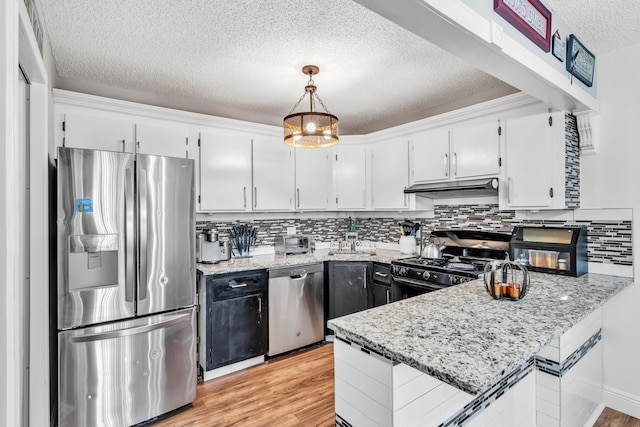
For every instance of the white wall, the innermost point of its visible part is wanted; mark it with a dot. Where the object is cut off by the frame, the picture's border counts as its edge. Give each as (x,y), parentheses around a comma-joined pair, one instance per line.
(610,179)
(18,46)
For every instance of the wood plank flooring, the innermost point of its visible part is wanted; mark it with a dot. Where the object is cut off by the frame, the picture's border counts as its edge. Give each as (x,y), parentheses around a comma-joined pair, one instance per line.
(612,418)
(295,390)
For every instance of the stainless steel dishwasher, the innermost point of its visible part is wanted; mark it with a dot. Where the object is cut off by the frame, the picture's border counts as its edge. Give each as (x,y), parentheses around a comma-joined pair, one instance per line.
(296,307)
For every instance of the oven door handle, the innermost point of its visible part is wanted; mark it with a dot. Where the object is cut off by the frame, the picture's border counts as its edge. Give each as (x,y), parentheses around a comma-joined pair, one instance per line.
(419,283)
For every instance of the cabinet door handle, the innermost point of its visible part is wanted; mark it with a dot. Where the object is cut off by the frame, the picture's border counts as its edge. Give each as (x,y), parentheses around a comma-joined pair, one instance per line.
(388,296)
(244,194)
(446,163)
(260,305)
(124,146)
(509,183)
(364,277)
(380,274)
(239,285)
(455,164)
(297,197)
(255,197)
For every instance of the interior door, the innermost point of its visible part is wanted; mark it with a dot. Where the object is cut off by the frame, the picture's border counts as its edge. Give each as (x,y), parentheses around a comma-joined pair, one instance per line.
(166,236)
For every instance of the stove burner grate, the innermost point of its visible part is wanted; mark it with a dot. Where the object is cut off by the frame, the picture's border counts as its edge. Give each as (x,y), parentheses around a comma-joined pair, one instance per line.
(461,266)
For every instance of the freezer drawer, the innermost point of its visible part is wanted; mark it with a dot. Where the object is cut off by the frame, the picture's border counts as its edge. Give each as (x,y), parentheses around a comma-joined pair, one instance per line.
(124,373)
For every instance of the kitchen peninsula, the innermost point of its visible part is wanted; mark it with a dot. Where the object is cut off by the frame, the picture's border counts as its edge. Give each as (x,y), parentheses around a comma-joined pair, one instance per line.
(458,357)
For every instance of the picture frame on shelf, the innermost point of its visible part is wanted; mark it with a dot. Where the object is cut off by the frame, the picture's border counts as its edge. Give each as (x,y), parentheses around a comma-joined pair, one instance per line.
(580,61)
(559,47)
(530,17)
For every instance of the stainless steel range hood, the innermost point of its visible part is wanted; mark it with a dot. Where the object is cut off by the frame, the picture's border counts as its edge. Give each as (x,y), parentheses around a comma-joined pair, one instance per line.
(453,189)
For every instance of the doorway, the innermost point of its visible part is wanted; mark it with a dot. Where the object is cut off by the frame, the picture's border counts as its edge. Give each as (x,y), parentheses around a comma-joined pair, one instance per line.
(23,245)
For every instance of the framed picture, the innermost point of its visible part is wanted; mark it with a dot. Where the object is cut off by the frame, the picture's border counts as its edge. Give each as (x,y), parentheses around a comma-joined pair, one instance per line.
(558,47)
(530,17)
(580,61)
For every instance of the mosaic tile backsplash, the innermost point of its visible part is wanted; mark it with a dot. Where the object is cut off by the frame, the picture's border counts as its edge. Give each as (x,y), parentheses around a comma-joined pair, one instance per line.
(572,163)
(609,242)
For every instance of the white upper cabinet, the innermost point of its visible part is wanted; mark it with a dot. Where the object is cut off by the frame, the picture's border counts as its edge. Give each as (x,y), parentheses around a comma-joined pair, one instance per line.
(475,150)
(390,174)
(313,177)
(430,156)
(96,130)
(465,152)
(350,175)
(225,170)
(273,174)
(535,162)
(162,139)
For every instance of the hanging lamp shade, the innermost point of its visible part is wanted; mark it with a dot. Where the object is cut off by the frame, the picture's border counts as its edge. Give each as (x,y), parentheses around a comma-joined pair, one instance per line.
(310,129)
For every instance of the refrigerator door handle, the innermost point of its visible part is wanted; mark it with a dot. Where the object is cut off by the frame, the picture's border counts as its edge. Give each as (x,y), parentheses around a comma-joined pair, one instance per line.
(129,237)
(142,210)
(135,330)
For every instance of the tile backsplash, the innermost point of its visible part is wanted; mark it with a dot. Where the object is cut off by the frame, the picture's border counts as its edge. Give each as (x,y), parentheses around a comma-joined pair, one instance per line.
(609,242)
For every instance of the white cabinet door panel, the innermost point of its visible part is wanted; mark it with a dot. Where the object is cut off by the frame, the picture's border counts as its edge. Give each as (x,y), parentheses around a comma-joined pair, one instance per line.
(225,170)
(430,156)
(312,178)
(475,151)
(528,161)
(98,132)
(390,174)
(159,140)
(273,174)
(351,176)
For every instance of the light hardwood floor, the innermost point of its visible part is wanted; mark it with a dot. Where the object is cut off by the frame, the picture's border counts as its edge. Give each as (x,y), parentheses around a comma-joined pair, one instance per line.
(295,390)
(292,390)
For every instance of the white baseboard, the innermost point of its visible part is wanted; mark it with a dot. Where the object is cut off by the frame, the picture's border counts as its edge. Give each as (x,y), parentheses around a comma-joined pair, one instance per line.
(229,369)
(595,415)
(622,401)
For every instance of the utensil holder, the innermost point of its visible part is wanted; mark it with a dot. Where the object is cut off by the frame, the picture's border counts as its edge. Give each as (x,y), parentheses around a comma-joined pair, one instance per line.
(243,240)
(407,244)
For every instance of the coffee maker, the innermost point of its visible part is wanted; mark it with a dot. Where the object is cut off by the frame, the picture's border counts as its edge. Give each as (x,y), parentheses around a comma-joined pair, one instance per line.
(211,250)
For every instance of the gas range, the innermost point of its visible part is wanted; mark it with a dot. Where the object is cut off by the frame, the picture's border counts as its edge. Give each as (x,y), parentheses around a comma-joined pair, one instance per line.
(440,270)
(464,256)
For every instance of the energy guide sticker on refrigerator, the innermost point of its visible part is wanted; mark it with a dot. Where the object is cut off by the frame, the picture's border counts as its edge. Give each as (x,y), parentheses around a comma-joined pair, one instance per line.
(126,289)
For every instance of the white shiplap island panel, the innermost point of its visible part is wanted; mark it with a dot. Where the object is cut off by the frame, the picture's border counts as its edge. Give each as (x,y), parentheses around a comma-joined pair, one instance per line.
(462,338)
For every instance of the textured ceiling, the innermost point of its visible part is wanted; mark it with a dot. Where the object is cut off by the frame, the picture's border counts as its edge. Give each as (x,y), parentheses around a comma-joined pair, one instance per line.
(242,58)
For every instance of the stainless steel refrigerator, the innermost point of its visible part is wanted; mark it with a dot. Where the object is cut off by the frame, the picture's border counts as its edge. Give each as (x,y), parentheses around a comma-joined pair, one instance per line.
(126,287)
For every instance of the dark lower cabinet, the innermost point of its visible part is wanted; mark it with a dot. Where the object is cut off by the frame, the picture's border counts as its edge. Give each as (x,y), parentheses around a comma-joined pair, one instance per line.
(236,318)
(350,287)
(381,284)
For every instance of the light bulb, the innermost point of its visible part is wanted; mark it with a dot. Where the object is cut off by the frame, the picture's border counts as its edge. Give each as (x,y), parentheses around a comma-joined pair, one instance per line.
(311,127)
(327,134)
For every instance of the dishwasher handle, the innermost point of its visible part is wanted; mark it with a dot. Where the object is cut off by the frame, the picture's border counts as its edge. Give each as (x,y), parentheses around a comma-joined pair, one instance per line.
(298,276)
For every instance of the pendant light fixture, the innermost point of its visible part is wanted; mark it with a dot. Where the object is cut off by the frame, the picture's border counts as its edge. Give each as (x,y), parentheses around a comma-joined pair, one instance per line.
(310,129)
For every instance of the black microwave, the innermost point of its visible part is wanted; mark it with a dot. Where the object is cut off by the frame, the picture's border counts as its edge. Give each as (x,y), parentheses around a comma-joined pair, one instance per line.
(556,250)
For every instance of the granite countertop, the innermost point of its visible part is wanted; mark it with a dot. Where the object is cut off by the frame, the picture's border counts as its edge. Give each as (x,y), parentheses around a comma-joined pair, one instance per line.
(272,260)
(465,338)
